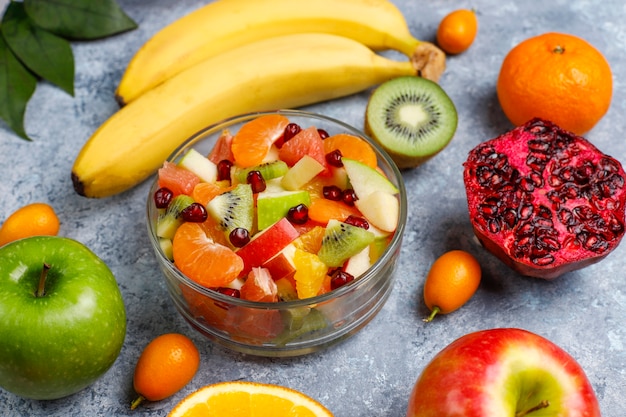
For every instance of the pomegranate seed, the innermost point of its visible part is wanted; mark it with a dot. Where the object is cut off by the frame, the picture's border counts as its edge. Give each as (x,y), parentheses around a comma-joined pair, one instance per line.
(239,237)
(357,221)
(256,180)
(223,170)
(334,158)
(298,214)
(291,130)
(331,192)
(340,278)
(348,196)
(323,134)
(195,213)
(162,197)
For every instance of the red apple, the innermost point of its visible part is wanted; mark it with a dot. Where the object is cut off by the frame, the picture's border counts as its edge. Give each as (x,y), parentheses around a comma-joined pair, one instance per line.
(281,265)
(266,244)
(503,372)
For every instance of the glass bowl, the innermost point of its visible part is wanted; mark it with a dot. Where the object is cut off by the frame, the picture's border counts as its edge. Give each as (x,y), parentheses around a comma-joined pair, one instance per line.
(285,328)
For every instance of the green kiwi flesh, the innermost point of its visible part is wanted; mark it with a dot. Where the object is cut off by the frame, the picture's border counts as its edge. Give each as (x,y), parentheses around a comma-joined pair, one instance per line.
(342,241)
(233,209)
(170,218)
(268,170)
(412,118)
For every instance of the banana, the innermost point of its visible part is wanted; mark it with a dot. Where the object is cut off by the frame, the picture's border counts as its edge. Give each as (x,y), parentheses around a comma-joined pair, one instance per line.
(281,72)
(227,24)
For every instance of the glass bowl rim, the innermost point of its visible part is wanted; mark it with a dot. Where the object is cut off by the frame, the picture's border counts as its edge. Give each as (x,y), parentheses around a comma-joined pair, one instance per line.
(369,275)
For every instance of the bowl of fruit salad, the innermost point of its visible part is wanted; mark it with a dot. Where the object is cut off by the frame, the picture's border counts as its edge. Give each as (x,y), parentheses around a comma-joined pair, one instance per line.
(278,233)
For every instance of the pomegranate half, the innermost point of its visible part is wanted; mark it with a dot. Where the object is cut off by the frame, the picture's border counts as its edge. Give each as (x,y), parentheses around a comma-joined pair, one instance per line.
(544,200)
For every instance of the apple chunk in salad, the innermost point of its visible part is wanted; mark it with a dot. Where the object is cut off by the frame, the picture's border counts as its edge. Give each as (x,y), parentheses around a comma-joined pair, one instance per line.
(276,211)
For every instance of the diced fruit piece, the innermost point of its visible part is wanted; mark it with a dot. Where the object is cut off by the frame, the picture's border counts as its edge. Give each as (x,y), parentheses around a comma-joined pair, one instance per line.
(166,248)
(203,260)
(352,147)
(310,241)
(301,173)
(200,165)
(323,210)
(271,207)
(281,266)
(259,286)
(177,179)
(365,180)
(205,191)
(171,219)
(234,208)
(266,244)
(286,290)
(254,139)
(306,142)
(221,151)
(377,248)
(269,170)
(357,264)
(381,209)
(310,273)
(342,241)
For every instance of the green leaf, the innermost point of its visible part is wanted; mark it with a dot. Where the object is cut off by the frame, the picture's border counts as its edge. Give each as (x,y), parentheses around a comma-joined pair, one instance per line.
(17,85)
(79,19)
(45,54)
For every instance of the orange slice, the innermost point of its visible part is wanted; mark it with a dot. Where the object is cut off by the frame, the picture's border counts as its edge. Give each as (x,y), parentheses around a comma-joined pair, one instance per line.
(255,138)
(310,273)
(322,210)
(248,399)
(310,241)
(352,147)
(202,259)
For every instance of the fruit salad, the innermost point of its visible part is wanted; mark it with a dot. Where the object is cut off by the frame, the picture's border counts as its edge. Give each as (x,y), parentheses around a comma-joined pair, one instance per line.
(275,212)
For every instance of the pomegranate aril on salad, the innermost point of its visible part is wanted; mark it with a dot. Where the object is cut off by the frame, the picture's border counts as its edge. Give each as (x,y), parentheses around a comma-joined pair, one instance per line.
(261,210)
(545,200)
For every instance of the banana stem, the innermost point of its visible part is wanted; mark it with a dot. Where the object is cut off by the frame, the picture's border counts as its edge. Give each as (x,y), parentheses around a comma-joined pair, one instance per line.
(428,61)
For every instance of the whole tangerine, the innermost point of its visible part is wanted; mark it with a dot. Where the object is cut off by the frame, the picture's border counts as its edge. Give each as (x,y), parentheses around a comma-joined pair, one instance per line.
(452,280)
(164,367)
(457,30)
(558,77)
(33,219)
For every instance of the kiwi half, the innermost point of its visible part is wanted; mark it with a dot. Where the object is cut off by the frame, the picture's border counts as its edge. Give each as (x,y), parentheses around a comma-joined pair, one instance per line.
(412,118)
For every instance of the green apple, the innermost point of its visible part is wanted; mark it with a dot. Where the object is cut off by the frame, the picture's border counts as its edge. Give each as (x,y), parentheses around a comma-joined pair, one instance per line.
(63,318)
(272,206)
(366,180)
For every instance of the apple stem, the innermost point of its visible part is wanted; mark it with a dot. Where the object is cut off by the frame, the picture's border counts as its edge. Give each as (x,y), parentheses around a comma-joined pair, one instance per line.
(41,288)
(542,404)
(433,313)
(137,401)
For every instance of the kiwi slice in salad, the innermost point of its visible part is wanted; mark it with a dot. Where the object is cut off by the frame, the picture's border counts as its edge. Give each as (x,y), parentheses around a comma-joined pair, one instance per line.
(233,209)
(412,118)
(170,218)
(342,241)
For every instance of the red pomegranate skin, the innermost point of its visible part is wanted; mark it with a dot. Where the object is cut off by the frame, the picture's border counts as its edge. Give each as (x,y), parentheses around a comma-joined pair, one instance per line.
(544,200)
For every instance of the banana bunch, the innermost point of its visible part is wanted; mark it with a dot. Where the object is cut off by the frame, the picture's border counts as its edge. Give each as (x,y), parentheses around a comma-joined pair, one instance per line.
(278,71)
(227,24)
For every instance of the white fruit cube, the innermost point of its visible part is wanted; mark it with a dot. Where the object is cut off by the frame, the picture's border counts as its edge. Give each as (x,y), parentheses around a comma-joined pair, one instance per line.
(200,165)
(381,209)
(301,173)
